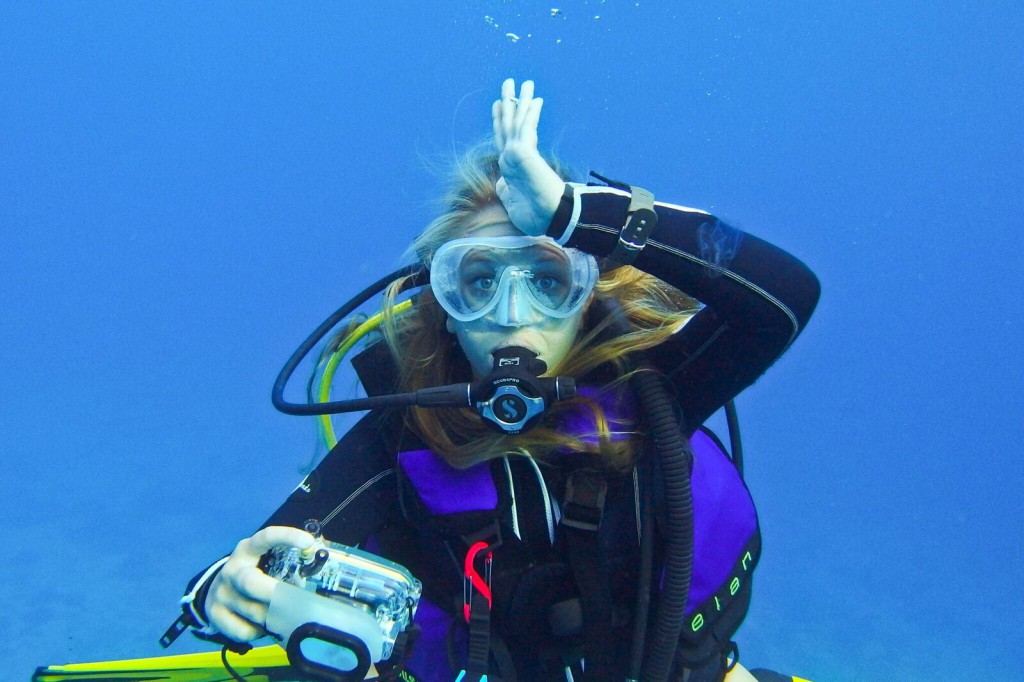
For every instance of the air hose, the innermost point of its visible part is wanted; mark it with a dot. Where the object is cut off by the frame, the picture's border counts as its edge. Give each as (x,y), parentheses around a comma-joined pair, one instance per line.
(676,460)
(418,278)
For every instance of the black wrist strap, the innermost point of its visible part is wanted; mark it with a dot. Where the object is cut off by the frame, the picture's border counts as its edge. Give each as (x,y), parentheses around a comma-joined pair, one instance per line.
(640,223)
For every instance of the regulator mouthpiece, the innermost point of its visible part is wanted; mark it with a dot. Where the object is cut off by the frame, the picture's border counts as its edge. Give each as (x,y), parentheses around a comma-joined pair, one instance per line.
(513,397)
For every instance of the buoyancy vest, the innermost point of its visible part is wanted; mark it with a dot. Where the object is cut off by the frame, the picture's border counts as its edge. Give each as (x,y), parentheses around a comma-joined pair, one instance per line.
(515,506)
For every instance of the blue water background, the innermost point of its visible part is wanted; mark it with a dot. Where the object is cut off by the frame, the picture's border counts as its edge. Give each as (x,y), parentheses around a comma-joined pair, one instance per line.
(186,189)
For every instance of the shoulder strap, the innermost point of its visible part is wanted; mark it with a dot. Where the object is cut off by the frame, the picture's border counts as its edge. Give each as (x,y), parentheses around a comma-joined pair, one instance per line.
(582,513)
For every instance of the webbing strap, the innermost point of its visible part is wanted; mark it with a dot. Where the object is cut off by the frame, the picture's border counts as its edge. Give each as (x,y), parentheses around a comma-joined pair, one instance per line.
(583,510)
(479,644)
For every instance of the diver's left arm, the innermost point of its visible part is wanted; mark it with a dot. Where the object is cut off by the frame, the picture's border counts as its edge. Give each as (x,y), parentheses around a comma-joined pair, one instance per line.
(757,297)
(753,284)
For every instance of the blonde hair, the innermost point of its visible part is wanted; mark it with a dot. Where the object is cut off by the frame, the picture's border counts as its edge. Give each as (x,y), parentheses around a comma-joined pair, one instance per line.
(427,355)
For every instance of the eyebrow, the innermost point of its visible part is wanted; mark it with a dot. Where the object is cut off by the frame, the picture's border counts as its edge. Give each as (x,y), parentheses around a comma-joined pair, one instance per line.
(548,256)
(537,255)
(479,256)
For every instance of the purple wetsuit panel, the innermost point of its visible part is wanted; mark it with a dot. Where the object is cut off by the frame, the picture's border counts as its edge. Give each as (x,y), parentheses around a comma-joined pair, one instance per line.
(723,518)
(429,659)
(445,489)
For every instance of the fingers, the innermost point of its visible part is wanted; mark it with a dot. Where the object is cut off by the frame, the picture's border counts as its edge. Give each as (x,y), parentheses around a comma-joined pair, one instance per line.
(531,119)
(239,596)
(508,88)
(506,110)
(230,611)
(241,570)
(523,105)
(499,131)
(515,118)
(234,626)
(250,582)
(278,536)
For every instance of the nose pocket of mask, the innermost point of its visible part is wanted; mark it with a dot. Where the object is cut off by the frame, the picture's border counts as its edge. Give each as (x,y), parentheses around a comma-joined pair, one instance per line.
(514,305)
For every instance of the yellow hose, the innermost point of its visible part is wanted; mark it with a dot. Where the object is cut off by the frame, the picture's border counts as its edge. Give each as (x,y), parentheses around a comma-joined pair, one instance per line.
(324,394)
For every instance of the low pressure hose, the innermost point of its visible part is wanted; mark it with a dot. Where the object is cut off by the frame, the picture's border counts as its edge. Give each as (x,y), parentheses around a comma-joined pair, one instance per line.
(676,462)
(676,458)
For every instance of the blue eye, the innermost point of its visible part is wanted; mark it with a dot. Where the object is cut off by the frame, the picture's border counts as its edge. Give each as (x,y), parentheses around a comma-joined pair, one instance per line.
(483,283)
(545,283)
(479,280)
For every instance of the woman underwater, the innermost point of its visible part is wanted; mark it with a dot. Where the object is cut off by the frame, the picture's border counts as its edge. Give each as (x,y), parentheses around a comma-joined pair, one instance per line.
(602,284)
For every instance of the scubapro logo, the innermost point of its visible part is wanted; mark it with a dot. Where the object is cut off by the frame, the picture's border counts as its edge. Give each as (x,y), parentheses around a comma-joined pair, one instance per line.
(511,409)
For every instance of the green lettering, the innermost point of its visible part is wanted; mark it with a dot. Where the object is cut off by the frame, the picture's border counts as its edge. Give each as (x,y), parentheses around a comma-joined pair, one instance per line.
(718,604)
(697,623)
(746,557)
(734,586)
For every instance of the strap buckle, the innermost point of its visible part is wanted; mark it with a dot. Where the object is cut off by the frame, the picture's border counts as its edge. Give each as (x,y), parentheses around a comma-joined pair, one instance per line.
(640,223)
(184,622)
(638,228)
(585,495)
(476,609)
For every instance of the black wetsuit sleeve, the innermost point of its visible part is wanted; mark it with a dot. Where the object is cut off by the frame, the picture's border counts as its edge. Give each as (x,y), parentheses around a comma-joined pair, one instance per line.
(350,490)
(757,298)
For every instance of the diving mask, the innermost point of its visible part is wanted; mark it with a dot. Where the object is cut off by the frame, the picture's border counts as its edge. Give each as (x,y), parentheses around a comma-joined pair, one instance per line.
(512,276)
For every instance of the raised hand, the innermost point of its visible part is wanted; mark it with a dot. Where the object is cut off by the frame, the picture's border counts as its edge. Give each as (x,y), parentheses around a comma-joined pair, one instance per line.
(529,188)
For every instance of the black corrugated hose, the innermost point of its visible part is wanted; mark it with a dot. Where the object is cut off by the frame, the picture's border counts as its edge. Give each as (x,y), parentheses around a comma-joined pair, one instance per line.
(676,462)
(676,458)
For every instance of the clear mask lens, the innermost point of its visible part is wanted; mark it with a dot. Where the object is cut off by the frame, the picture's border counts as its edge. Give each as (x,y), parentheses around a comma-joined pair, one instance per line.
(517,277)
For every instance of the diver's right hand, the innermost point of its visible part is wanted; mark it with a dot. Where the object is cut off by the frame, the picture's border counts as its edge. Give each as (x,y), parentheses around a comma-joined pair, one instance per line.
(237,601)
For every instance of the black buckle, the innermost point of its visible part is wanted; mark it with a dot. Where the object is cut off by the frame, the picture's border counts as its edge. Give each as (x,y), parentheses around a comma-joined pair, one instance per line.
(638,228)
(184,622)
(585,495)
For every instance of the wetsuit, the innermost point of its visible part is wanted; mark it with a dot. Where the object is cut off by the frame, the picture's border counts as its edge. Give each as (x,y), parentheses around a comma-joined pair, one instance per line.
(756,300)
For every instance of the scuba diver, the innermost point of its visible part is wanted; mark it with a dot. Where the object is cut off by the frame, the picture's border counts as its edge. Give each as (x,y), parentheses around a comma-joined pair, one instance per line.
(574,522)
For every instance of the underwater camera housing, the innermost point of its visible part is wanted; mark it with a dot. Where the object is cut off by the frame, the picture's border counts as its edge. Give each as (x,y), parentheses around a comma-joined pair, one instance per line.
(338,608)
